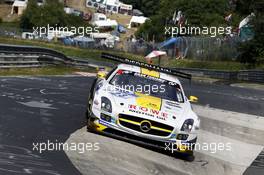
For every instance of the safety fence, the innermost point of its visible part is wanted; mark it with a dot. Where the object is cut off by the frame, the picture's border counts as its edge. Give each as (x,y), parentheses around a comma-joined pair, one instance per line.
(28,56)
(195,47)
(256,76)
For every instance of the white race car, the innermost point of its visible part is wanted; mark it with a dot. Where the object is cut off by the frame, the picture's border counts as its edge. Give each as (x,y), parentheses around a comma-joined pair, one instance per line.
(145,102)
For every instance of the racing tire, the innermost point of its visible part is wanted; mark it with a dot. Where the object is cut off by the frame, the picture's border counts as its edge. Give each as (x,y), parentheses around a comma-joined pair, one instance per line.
(189,157)
(88,115)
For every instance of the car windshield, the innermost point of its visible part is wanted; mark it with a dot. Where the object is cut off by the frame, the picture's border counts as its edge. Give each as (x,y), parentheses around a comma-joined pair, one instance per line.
(148,85)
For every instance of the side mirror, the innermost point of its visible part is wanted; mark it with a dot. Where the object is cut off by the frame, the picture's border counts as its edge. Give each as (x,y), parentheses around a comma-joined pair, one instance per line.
(193,99)
(101,74)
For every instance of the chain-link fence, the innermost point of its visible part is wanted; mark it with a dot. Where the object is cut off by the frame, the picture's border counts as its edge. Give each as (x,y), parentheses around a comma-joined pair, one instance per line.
(204,48)
(10,32)
(201,48)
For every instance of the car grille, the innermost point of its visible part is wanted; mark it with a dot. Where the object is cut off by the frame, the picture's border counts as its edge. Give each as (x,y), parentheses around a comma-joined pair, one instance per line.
(134,123)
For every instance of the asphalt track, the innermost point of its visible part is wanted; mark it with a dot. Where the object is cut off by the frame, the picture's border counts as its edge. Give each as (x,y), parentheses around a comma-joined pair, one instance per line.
(41,109)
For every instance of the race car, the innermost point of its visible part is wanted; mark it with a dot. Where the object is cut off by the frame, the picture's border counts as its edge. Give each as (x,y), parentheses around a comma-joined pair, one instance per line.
(144,101)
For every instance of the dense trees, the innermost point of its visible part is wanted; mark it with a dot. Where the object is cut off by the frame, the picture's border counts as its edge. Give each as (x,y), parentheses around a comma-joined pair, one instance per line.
(253,51)
(208,13)
(51,13)
(197,13)
(148,7)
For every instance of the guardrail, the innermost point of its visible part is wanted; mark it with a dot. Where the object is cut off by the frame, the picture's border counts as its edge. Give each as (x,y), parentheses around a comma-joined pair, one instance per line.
(28,56)
(256,76)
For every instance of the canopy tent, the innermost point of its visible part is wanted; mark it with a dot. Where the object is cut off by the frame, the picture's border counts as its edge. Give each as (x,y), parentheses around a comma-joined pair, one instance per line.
(245,29)
(99,17)
(106,23)
(154,54)
(83,42)
(137,20)
(178,45)
(137,12)
(170,42)
(246,20)
(100,35)
(83,39)
(18,7)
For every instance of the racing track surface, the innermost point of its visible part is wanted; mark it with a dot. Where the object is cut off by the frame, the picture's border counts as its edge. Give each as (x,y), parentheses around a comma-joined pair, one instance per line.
(37,109)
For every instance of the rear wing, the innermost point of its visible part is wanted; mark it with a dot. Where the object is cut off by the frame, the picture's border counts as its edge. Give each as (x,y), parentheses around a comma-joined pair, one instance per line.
(146,65)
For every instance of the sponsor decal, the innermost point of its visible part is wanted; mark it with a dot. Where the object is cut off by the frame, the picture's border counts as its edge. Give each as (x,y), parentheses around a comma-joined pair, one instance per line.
(104,123)
(172,104)
(123,94)
(150,77)
(149,112)
(150,72)
(148,101)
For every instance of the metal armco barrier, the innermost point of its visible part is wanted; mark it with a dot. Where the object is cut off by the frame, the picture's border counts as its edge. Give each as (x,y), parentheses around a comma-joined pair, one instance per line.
(29,56)
(31,50)
(256,76)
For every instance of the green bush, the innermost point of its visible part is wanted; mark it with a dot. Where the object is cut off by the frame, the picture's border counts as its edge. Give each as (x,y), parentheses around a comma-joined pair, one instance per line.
(51,13)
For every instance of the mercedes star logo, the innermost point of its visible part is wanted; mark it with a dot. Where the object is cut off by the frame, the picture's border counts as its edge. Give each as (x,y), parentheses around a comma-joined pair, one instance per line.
(145,126)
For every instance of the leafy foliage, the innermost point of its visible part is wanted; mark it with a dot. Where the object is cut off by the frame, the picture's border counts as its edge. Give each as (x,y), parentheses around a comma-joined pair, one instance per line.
(148,7)
(252,51)
(198,13)
(209,13)
(51,13)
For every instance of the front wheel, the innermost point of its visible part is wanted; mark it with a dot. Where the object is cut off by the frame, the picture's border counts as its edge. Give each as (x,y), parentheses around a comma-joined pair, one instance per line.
(189,156)
(89,114)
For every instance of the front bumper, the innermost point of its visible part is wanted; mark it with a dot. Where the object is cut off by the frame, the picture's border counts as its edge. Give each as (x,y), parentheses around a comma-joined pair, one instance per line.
(112,129)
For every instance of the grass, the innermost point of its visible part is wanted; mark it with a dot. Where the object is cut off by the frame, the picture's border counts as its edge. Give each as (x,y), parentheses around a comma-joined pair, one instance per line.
(14,24)
(216,65)
(51,70)
(96,55)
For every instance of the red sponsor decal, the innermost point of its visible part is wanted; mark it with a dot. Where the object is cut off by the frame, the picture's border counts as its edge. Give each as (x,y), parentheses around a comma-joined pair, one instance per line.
(120,72)
(149,111)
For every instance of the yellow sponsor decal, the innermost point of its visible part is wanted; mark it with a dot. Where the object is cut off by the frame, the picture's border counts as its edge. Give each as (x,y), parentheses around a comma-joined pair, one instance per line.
(150,72)
(149,102)
(98,127)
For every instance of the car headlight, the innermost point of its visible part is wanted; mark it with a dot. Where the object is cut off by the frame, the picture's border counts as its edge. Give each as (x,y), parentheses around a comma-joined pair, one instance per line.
(187,125)
(106,104)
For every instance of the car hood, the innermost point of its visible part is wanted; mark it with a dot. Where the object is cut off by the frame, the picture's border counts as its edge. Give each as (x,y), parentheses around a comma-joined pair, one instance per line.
(149,107)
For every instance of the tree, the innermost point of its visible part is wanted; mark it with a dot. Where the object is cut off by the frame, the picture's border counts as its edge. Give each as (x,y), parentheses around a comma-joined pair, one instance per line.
(198,13)
(51,13)
(253,51)
(148,7)
(30,15)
